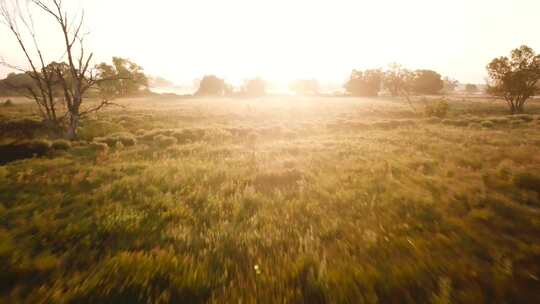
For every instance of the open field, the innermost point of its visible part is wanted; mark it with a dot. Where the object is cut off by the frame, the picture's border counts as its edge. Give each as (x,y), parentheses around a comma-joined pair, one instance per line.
(275,200)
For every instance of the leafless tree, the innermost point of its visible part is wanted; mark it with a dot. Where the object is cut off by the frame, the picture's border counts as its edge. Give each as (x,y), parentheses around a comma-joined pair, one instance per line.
(55,85)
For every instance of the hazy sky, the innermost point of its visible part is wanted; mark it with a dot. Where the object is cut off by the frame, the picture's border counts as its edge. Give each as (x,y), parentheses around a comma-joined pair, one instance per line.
(289,39)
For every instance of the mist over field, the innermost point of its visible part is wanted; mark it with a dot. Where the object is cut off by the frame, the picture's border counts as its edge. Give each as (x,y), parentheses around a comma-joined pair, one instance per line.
(269,151)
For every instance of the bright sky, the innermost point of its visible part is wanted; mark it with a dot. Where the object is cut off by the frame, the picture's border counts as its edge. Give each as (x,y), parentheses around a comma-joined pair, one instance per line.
(289,39)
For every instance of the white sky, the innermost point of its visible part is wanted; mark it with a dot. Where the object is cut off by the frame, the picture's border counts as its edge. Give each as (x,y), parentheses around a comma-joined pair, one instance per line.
(288,39)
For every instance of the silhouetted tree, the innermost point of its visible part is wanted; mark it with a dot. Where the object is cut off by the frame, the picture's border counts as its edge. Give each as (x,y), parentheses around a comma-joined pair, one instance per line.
(398,80)
(74,77)
(471,88)
(212,85)
(126,78)
(255,87)
(449,84)
(305,87)
(515,78)
(15,84)
(427,82)
(365,83)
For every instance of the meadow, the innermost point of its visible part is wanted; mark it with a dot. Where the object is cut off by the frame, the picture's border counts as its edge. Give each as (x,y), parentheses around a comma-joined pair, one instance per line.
(274,200)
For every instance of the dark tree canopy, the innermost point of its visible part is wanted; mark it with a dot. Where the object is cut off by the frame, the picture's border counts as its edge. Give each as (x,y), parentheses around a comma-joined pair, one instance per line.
(255,87)
(515,79)
(365,83)
(427,82)
(212,85)
(126,78)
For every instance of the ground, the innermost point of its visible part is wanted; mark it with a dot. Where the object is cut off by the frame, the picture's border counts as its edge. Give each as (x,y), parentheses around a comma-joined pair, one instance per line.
(275,200)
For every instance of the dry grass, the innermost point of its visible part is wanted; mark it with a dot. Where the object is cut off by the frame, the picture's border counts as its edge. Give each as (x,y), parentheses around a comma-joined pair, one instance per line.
(277,200)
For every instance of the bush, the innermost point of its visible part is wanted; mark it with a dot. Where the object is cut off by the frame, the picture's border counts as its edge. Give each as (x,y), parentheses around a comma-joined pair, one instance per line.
(438,109)
(500,120)
(25,127)
(99,147)
(127,139)
(528,181)
(487,124)
(61,144)
(17,151)
(523,117)
(165,141)
(8,103)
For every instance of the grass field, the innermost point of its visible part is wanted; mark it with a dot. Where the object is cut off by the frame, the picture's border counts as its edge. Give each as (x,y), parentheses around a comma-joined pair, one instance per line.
(275,200)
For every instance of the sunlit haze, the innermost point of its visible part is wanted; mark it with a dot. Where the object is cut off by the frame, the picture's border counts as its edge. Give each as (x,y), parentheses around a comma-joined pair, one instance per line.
(285,40)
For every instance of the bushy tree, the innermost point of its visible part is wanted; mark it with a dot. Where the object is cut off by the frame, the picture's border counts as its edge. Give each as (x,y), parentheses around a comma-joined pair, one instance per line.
(365,83)
(427,82)
(126,78)
(305,87)
(16,84)
(255,87)
(515,78)
(398,80)
(471,88)
(450,84)
(212,85)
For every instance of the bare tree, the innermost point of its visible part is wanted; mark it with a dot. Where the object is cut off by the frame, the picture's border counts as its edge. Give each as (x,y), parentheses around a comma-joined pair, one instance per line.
(56,84)
(399,81)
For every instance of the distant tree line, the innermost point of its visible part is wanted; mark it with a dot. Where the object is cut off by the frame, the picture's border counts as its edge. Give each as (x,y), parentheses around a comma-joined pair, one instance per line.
(211,85)
(397,81)
(121,79)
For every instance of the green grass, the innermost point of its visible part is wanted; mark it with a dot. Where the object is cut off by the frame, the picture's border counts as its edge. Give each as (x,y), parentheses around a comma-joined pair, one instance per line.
(276,200)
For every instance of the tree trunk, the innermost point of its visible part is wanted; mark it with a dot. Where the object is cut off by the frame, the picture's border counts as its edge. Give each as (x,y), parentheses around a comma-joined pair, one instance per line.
(73,125)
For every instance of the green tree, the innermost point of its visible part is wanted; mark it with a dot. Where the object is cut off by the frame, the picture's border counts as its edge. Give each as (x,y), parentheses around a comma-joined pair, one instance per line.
(365,83)
(514,78)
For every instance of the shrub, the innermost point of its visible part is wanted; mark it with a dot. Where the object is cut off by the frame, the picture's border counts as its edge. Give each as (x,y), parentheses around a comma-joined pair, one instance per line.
(100,147)
(127,139)
(16,151)
(523,117)
(165,141)
(23,126)
(61,144)
(487,124)
(516,123)
(500,120)
(90,129)
(527,181)
(8,103)
(437,109)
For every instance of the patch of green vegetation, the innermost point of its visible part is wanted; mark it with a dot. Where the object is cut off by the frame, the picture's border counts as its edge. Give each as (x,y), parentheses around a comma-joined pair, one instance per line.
(279,201)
